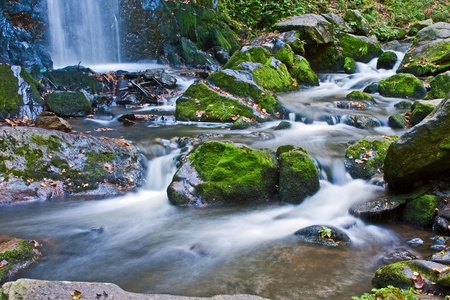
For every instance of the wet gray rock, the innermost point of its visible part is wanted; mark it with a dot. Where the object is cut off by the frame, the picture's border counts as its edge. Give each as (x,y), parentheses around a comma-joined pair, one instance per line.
(338,22)
(381,209)
(38,164)
(361,122)
(32,289)
(439,30)
(313,29)
(397,255)
(441,257)
(312,234)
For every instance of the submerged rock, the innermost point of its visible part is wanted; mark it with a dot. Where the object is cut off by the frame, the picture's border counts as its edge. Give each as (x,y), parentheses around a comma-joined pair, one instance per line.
(40,289)
(39,164)
(220,173)
(422,153)
(323,235)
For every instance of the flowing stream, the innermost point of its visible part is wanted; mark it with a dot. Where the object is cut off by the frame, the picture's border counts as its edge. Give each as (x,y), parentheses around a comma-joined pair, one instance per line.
(144,244)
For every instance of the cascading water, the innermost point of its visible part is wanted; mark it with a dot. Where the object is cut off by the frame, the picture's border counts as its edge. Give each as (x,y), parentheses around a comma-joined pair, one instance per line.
(83,31)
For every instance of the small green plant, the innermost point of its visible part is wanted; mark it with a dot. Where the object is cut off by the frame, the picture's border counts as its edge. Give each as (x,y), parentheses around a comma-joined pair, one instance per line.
(325,232)
(384,293)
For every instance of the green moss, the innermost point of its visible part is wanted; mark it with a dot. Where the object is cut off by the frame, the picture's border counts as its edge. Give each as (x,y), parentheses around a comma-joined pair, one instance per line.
(285,55)
(51,142)
(275,80)
(325,58)
(420,111)
(10,100)
(299,177)
(387,60)
(187,22)
(359,95)
(349,65)
(254,54)
(359,49)
(68,104)
(365,158)
(302,72)
(200,103)
(392,275)
(397,121)
(248,90)
(403,86)
(18,256)
(74,79)
(440,85)
(234,174)
(420,212)
(431,60)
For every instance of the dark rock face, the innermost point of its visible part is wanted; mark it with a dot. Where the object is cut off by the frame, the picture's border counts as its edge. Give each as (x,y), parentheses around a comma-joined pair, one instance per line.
(38,164)
(422,153)
(24,39)
(68,104)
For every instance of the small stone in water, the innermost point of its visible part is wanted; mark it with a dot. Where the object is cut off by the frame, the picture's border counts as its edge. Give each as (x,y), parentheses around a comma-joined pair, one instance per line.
(416,241)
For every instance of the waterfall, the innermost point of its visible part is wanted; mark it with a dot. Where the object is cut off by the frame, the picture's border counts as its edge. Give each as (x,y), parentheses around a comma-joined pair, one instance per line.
(83,31)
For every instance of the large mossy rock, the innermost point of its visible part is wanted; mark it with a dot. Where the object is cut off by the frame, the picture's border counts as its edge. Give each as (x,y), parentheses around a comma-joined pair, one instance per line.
(358,22)
(68,104)
(33,289)
(38,164)
(387,60)
(420,110)
(440,85)
(302,72)
(402,86)
(401,274)
(255,54)
(14,255)
(365,158)
(19,95)
(421,211)
(201,103)
(274,77)
(71,78)
(221,173)
(313,29)
(299,177)
(242,85)
(427,57)
(360,48)
(422,153)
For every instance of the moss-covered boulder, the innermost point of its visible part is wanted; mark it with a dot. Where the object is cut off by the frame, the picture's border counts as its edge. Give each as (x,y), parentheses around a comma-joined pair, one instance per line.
(427,58)
(72,78)
(397,121)
(256,54)
(201,103)
(221,173)
(10,100)
(39,164)
(292,38)
(283,52)
(302,72)
(68,104)
(371,88)
(387,60)
(421,211)
(440,85)
(274,77)
(357,21)
(420,110)
(313,29)
(338,22)
(360,48)
(14,255)
(422,153)
(402,86)
(365,158)
(193,56)
(242,85)
(299,177)
(349,65)
(325,58)
(402,274)
(359,95)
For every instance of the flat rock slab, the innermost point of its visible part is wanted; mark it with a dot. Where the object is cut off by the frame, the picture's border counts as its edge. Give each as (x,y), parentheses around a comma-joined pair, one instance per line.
(32,289)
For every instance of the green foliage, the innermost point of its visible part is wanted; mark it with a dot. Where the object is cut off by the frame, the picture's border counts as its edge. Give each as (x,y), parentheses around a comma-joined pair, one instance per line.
(389,292)
(20,255)
(325,232)
(10,100)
